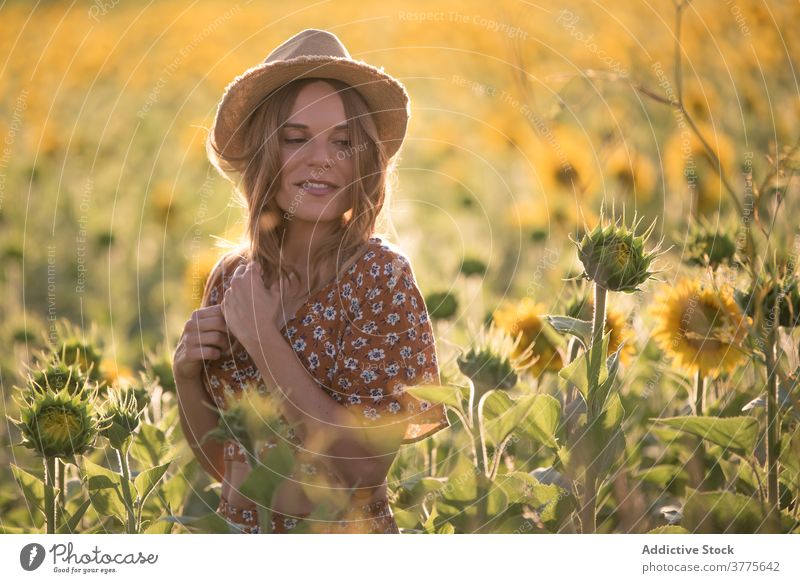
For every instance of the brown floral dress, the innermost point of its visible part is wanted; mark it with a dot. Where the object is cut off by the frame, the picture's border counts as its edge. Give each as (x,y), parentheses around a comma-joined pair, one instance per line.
(363,337)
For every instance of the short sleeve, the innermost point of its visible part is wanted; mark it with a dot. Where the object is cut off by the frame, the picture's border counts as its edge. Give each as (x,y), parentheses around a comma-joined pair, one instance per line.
(218,278)
(388,345)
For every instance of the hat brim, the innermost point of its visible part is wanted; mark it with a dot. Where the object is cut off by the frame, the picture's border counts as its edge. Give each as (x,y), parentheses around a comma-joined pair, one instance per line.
(385,96)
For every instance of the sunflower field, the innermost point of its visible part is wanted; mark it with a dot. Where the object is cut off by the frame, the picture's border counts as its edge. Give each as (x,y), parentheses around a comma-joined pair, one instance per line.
(598,200)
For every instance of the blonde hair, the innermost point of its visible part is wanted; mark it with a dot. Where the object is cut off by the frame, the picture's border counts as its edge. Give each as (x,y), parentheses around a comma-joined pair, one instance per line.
(258,169)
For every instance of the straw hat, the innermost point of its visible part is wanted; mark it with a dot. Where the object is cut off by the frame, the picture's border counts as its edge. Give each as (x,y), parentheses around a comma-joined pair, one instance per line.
(311,53)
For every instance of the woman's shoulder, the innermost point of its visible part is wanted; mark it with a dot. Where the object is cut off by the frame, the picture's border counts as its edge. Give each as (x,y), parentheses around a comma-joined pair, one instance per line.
(220,275)
(383,267)
(384,253)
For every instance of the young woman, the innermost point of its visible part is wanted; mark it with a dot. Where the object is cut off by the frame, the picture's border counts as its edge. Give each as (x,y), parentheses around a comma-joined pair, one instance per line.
(317,307)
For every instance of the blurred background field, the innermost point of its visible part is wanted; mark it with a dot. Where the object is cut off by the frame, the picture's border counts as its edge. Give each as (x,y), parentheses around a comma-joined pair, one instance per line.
(525,119)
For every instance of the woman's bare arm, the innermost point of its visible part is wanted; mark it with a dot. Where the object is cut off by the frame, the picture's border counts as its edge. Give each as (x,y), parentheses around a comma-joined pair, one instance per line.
(197,420)
(327,429)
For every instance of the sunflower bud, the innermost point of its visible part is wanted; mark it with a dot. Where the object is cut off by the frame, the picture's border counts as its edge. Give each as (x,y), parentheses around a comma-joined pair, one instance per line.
(785,290)
(707,245)
(56,376)
(441,305)
(471,266)
(614,257)
(491,362)
(58,424)
(84,355)
(158,365)
(122,411)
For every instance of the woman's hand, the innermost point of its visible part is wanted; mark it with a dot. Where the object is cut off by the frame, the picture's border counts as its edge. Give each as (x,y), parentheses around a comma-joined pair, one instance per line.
(253,311)
(204,338)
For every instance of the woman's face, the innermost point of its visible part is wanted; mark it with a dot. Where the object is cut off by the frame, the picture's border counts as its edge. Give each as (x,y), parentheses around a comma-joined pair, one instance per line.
(316,157)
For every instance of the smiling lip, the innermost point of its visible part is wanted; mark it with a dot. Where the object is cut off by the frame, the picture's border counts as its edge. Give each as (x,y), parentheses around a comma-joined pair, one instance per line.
(309,187)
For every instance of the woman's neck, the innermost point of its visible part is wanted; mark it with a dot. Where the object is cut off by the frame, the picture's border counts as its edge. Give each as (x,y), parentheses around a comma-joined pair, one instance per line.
(301,240)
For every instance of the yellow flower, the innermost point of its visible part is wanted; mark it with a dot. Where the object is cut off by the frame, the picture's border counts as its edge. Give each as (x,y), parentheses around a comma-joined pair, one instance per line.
(700,327)
(113,372)
(526,316)
(565,163)
(633,173)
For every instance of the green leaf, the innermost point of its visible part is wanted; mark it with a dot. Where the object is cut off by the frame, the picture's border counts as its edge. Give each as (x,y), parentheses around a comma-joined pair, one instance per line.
(582,329)
(147,480)
(263,480)
(161,526)
(722,513)
(211,523)
(577,372)
(598,444)
(669,529)
(536,416)
(150,446)
(105,490)
(405,518)
(175,490)
(447,394)
(790,458)
(736,433)
(604,388)
(72,522)
(541,420)
(499,414)
(470,499)
(32,487)
(553,503)
(521,487)
(662,475)
(446,528)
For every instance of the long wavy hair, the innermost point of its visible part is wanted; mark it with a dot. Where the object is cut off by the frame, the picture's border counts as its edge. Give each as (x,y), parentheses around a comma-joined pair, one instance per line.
(258,172)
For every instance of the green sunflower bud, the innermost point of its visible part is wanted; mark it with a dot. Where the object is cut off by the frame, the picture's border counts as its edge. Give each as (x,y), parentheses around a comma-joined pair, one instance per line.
(491,362)
(768,292)
(158,366)
(472,266)
(707,245)
(74,346)
(56,376)
(58,424)
(441,305)
(122,412)
(74,352)
(614,256)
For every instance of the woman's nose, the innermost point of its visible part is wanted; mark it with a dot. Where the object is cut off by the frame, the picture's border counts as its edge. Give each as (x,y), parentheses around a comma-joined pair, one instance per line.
(317,153)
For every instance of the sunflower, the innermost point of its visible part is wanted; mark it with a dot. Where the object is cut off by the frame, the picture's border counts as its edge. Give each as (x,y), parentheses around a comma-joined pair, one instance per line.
(633,173)
(58,424)
(526,316)
(700,327)
(565,162)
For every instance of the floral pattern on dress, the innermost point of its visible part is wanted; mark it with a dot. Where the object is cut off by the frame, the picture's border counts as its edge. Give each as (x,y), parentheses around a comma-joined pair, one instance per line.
(363,338)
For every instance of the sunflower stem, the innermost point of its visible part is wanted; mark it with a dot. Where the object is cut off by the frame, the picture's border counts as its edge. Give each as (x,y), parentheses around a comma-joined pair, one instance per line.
(596,349)
(588,512)
(49,494)
(696,465)
(773,420)
(481,454)
(61,469)
(126,492)
(699,392)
